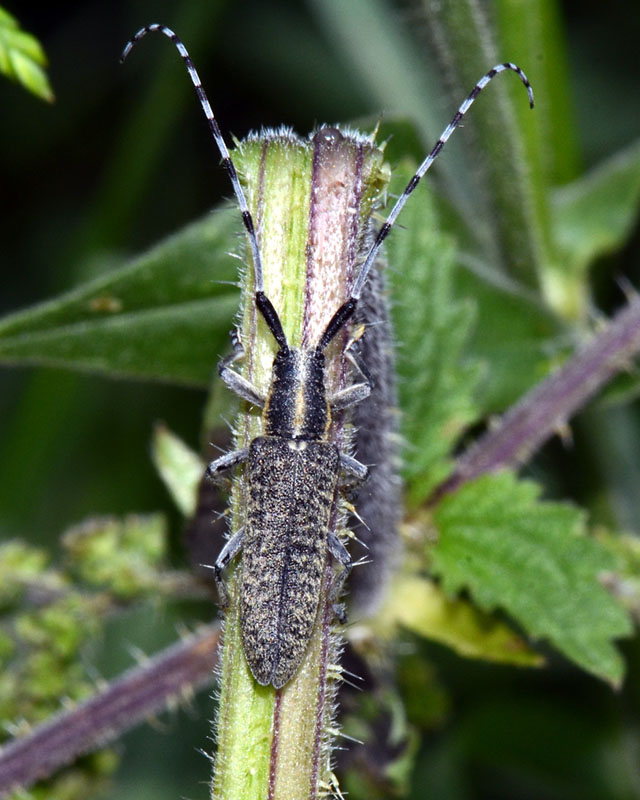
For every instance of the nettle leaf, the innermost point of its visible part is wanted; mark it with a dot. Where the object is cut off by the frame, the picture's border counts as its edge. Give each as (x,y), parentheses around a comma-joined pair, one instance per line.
(514,334)
(422,606)
(435,384)
(165,315)
(22,58)
(594,215)
(534,560)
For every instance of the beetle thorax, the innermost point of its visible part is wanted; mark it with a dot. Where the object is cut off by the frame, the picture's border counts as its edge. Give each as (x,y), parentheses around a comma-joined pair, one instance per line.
(297,406)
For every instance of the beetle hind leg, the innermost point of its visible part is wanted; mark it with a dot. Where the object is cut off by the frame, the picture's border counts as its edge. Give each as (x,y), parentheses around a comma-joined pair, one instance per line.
(341,555)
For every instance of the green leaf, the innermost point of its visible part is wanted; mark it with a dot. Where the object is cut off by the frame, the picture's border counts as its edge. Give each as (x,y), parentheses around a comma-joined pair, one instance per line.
(422,607)
(532,559)
(595,214)
(22,57)
(515,335)
(180,468)
(166,315)
(508,218)
(436,384)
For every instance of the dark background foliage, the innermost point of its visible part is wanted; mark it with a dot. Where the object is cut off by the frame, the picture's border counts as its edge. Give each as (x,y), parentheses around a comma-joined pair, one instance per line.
(120,160)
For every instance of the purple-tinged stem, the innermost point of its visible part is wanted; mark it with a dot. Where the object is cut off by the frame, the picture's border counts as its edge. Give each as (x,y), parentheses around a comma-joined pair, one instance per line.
(546,408)
(142,691)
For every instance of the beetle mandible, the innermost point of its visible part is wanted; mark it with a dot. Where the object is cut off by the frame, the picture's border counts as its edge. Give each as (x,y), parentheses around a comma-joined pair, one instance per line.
(293,470)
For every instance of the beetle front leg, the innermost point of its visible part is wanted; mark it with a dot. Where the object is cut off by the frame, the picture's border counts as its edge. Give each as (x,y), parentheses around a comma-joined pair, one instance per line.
(358,391)
(233,380)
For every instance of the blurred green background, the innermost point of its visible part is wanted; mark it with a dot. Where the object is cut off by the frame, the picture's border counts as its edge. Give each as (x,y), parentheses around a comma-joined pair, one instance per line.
(121,160)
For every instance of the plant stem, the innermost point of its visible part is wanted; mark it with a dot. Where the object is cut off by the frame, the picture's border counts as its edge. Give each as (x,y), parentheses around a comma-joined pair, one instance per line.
(546,409)
(139,693)
(311,201)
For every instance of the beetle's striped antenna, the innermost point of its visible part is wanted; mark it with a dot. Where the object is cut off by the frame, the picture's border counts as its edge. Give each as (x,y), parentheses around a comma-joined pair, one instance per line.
(426,164)
(345,312)
(228,164)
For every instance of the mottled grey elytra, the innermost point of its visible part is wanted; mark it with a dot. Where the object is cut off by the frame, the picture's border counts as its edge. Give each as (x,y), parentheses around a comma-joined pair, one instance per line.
(293,471)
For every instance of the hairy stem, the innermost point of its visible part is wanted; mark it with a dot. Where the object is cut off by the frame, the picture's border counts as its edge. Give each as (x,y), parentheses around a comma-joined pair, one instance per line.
(546,409)
(311,201)
(142,691)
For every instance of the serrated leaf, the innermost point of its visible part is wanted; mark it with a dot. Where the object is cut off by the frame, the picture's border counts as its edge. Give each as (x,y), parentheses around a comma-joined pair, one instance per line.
(22,58)
(532,559)
(165,315)
(436,384)
(595,214)
(422,607)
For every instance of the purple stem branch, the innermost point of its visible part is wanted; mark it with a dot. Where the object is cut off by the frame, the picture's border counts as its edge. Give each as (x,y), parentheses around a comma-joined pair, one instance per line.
(548,406)
(139,693)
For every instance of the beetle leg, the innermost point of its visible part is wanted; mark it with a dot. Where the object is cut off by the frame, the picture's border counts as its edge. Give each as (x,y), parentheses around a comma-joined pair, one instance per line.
(357,392)
(234,381)
(341,555)
(226,555)
(355,472)
(225,462)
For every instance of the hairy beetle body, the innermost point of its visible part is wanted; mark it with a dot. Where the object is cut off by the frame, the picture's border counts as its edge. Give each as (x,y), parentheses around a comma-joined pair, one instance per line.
(293,477)
(292,485)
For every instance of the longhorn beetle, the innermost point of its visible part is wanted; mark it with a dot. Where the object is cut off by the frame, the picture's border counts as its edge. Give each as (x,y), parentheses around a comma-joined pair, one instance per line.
(293,470)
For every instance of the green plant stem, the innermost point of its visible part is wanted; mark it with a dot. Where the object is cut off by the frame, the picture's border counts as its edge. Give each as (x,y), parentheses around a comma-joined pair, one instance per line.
(312,203)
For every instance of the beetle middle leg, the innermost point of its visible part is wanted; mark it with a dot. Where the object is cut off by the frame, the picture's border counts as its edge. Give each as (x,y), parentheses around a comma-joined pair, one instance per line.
(226,555)
(226,462)
(354,473)
(234,544)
